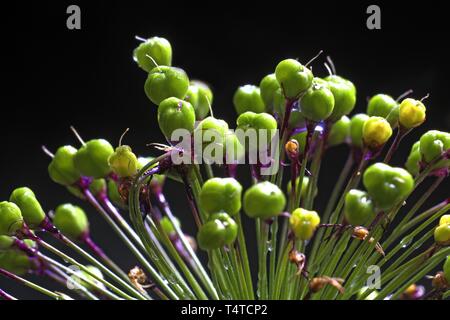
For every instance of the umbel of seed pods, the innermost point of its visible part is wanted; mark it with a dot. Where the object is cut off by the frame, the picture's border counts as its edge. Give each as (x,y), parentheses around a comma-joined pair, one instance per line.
(290,99)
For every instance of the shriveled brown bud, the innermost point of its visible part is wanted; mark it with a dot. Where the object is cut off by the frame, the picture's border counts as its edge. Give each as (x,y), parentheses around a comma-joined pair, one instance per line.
(317,284)
(299,259)
(440,282)
(361,233)
(139,279)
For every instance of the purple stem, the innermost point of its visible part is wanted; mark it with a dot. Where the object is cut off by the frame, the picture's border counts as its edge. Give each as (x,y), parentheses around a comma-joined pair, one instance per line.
(401,133)
(6,296)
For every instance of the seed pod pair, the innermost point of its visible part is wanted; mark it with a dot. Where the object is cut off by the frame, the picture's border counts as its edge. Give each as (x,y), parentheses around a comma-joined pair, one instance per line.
(200,96)
(30,207)
(248,98)
(258,123)
(91,160)
(264,200)
(372,132)
(62,167)
(220,230)
(429,148)
(293,77)
(411,113)
(71,221)
(387,185)
(442,232)
(359,208)
(165,82)
(154,50)
(221,195)
(304,223)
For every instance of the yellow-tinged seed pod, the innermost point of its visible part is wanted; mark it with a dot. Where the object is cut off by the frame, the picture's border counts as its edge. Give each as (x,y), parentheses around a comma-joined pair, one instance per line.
(303,223)
(412,113)
(376,132)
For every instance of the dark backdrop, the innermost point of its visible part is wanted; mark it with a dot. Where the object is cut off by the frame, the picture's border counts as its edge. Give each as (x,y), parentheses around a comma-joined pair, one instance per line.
(54,77)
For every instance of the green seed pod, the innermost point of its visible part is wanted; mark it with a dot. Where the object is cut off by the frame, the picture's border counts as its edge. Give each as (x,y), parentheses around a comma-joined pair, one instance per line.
(62,168)
(304,223)
(248,98)
(359,208)
(318,102)
(30,207)
(168,226)
(212,132)
(296,119)
(221,194)
(387,185)
(442,234)
(123,162)
(71,221)
(166,82)
(445,219)
(305,183)
(219,231)
(264,200)
(159,49)
(91,160)
(411,113)
(11,219)
(356,129)
(174,114)
(268,87)
(340,132)
(383,105)
(258,122)
(376,132)
(432,144)
(6,242)
(293,77)
(447,269)
(413,162)
(15,261)
(200,96)
(344,93)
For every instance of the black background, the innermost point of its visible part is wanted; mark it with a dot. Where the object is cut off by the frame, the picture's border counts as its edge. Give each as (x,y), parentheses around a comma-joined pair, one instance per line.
(55,77)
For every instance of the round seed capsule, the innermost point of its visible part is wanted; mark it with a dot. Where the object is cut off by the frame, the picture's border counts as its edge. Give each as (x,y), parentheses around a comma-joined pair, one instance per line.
(359,208)
(304,223)
(221,194)
(339,132)
(268,87)
(264,200)
(174,114)
(248,98)
(376,132)
(165,82)
(344,93)
(62,168)
(356,129)
(432,144)
(91,160)
(11,219)
(318,102)
(123,162)
(160,51)
(387,185)
(219,231)
(293,77)
(200,96)
(383,105)
(30,207)
(71,221)
(411,113)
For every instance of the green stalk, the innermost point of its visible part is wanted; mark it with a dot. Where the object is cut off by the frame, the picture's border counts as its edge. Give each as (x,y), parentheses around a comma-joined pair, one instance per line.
(244,256)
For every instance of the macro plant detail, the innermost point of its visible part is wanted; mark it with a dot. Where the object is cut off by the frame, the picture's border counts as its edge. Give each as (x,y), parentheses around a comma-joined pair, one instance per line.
(302,253)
